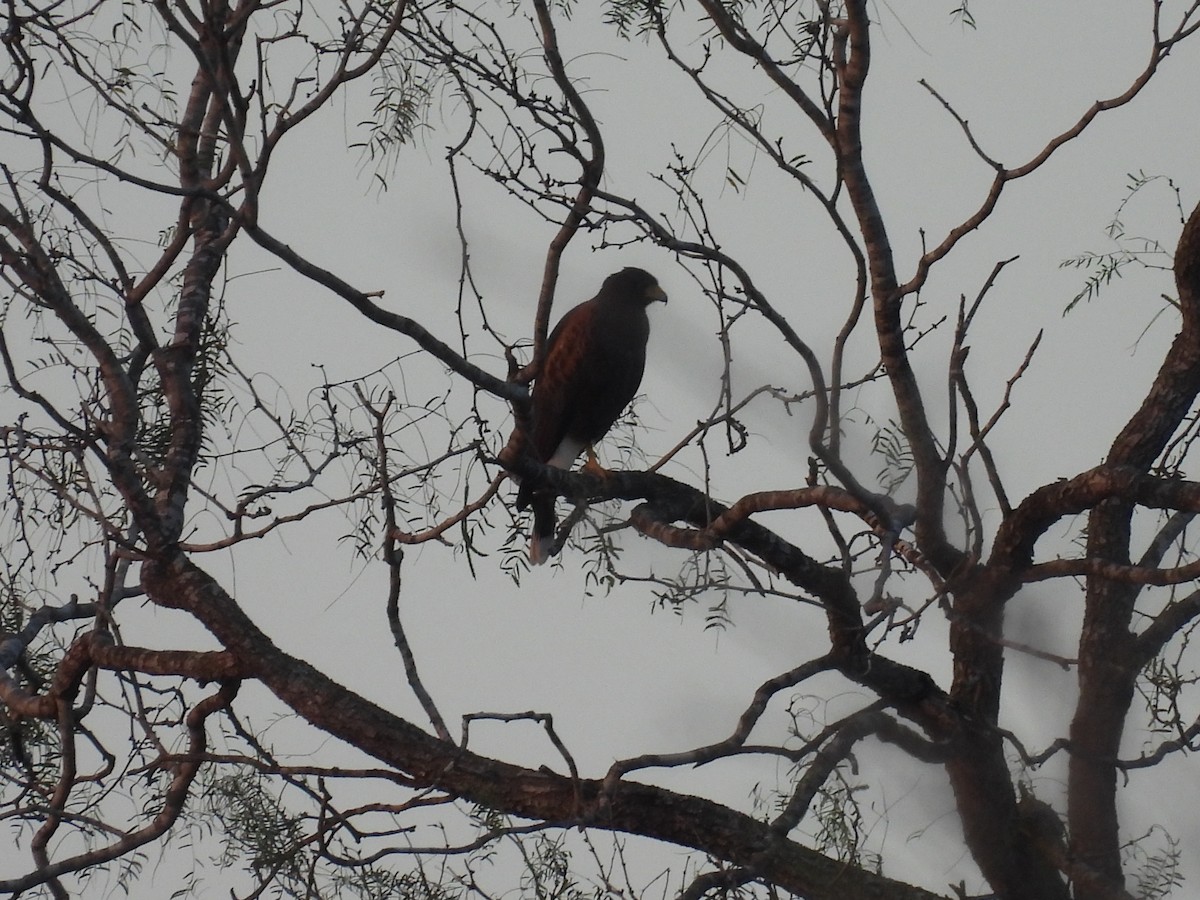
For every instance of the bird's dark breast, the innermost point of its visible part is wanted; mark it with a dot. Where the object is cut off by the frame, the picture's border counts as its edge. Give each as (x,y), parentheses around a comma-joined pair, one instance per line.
(614,373)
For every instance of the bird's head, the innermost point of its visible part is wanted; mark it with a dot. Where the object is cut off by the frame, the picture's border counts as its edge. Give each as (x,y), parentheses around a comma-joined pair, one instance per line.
(635,285)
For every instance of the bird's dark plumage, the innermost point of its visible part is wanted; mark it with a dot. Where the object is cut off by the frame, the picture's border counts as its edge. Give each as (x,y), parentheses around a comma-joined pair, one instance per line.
(592,369)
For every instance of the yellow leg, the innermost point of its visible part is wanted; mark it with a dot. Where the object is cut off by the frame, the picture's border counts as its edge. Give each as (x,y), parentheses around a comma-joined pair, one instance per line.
(591,465)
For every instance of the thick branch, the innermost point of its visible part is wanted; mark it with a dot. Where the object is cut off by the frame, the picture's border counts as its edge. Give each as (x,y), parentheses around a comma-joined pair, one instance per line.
(535,794)
(667,501)
(1015,539)
(1108,652)
(95,649)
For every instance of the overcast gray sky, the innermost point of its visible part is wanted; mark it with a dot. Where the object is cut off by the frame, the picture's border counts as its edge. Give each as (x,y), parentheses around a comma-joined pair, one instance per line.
(620,676)
(621,680)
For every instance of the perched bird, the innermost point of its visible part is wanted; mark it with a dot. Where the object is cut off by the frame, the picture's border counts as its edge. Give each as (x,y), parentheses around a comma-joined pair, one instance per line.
(592,368)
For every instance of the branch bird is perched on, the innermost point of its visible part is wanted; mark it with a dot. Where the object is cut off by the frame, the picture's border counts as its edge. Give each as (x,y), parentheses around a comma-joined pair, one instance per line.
(593,366)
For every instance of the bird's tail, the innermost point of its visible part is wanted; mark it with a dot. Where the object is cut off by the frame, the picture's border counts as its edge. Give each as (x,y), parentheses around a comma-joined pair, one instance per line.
(524,496)
(541,541)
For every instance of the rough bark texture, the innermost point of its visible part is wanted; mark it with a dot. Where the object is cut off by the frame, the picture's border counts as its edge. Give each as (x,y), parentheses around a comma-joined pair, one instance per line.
(1108,658)
(127,448)
(533,794)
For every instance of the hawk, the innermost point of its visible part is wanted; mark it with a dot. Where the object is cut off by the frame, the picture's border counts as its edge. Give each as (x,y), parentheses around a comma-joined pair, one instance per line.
(592,368)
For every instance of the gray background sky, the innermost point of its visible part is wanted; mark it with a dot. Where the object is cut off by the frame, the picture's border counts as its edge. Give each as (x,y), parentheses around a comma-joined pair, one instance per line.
(620,676)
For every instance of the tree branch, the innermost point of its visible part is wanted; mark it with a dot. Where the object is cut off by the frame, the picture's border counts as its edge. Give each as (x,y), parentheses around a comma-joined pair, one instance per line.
(634,808)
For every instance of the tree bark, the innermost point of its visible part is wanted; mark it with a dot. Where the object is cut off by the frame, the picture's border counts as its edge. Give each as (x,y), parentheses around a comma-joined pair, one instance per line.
(539,795)
(1108,659)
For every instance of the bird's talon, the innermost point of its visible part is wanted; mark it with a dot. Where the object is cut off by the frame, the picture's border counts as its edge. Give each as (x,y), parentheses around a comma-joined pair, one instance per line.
(591,465)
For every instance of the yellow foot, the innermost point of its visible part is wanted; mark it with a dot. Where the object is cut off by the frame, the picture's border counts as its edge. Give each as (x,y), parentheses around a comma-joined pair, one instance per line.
(592,466)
